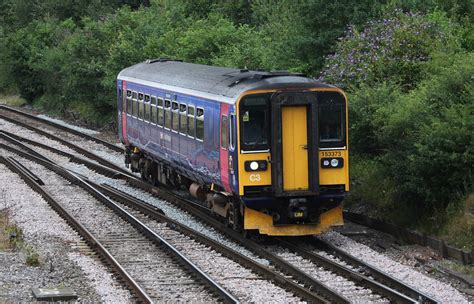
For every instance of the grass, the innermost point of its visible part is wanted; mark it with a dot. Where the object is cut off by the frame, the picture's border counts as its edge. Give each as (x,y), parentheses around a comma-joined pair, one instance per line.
(373,194)
(459,229)
(12,100)
(11,238)
(10,234)
(466,269)
(32,257)
(4,240)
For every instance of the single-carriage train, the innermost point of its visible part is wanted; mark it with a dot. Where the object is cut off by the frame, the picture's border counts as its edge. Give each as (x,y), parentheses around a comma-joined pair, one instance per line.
(267,151)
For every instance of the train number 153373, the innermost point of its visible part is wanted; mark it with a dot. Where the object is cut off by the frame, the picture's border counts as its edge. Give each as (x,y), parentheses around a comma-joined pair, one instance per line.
(331,153)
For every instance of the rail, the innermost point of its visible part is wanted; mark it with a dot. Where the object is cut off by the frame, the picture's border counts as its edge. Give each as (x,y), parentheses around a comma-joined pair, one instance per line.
(412,237)
(85,234)
(65,128)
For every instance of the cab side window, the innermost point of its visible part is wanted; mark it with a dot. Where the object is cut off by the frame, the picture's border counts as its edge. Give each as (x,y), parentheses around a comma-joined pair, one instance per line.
(224,132)
(231,132)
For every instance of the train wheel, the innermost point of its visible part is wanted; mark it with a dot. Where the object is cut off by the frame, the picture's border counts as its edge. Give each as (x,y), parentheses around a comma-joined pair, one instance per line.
(233,216)
(148,172)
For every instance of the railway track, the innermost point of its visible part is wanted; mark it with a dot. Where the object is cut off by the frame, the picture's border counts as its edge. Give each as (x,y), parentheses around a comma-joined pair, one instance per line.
(132,248)
(205,249)
(319,249)
(283,267)
(77,145)
(378,287)
(18,113)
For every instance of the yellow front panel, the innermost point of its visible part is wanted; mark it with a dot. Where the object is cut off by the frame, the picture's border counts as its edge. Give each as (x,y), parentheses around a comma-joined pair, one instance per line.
(255,178)
(295,148)
(264,223)
(334,176)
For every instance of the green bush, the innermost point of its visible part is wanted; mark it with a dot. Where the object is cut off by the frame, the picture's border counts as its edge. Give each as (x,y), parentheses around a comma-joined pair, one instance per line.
(367,116)
(410,90)
(301,33)
(433,126)
(422,141)
(394,49)
(370,189)
(25,48)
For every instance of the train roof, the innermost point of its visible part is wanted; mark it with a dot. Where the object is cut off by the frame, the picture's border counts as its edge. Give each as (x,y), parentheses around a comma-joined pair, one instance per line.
(213,80)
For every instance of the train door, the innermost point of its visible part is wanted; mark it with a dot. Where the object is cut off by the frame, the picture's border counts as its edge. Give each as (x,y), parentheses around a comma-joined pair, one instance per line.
(124,112)
(295,148)
(233,154)
(294,144)
(224,146)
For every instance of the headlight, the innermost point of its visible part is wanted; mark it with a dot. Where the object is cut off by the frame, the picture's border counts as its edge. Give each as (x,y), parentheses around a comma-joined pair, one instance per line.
(336,162)
(256,165)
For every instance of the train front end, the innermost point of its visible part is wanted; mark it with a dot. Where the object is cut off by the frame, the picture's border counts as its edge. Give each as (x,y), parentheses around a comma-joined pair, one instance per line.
(293,160)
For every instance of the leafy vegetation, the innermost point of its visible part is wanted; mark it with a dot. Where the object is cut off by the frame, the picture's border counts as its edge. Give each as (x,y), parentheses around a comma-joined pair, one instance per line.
(407,67)
(411,118)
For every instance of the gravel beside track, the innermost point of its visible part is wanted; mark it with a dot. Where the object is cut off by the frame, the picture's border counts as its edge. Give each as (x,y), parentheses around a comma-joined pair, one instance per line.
(341,285)
(48,235)
(158,273)
(247,286)
(442,292)
(60,122)
(169,209)
(96,148)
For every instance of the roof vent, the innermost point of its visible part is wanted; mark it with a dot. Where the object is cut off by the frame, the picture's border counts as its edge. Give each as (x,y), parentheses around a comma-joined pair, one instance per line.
(149,61)
(259,76)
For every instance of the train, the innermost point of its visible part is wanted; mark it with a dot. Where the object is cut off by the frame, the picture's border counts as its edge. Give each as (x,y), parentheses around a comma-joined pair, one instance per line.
(266,152)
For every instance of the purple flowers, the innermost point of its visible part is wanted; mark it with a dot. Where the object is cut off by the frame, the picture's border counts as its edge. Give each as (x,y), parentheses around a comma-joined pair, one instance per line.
(388,49)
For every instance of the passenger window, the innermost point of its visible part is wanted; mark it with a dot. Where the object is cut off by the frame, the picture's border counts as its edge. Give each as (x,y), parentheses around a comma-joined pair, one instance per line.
(224,132)
(129,104)
(147,108)
(167,114)
(231,132)
(200,124)
(175,114)
(135,104)
(135,108)
(191,120)
(153,109)
(141,107)
(161,114)
(182,119)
